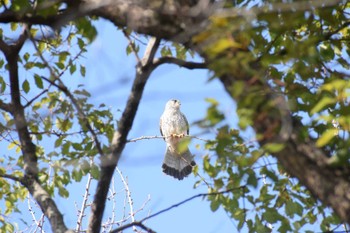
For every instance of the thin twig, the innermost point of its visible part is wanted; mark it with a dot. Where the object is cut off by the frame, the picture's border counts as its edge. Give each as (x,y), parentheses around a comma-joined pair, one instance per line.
(164,137)
(128,195)
(132,46)
(35,98)
(137,223)
(85,199)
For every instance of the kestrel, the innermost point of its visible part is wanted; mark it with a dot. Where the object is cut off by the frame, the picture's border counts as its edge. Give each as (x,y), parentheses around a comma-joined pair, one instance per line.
(174,127)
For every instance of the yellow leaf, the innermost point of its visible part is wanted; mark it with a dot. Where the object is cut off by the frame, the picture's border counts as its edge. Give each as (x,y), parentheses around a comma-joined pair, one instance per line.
(322,103)
(326,137)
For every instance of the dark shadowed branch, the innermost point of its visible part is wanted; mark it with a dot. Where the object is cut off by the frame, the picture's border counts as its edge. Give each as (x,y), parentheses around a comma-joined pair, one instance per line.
(181,63)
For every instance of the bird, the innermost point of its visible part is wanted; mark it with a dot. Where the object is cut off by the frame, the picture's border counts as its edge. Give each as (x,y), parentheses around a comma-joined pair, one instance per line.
(178,162)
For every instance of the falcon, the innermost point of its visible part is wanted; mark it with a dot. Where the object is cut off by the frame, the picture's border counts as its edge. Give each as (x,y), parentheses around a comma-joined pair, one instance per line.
(178,162)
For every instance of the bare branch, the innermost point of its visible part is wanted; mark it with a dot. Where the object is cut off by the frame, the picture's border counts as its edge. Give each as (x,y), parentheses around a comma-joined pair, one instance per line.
(85,199)
(109,162)
(164,137)
(130,201)
(139,224)
(181,63)
(46,203)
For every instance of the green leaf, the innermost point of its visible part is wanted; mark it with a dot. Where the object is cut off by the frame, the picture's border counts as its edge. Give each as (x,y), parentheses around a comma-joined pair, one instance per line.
(271,215)
(214,205)
(77,175)
(14,26)
(82,70)
(273,147)
(58,142)
(60,65)
(26,86)
(95,172)
(293,208)
(72,68)
(42,46)
(38,81)
(2,85)
(63,192)
(63,124)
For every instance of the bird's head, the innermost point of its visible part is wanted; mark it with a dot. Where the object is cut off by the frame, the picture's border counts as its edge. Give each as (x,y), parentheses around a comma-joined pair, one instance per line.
(173,103)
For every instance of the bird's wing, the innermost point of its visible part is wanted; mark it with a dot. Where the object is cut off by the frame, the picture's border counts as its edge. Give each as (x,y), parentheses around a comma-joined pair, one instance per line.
(160,127)
(187,125)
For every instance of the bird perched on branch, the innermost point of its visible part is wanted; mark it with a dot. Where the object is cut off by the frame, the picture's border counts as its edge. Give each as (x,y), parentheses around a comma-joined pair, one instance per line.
(178,161)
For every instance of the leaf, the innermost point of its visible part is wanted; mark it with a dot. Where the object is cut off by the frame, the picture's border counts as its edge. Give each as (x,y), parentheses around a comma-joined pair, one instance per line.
(214,205)
(2,85)
(273,147)
(63,192)
(82,70)
(72,68)
(326,137)
(60,65)
(26,86)
(95,172)
(293,208)
(325,101)
(77,175)
(271,215)
(38,81)
(63,124)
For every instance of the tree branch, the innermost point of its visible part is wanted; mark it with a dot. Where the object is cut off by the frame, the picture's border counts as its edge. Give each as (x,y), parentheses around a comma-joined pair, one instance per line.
(30,179)
(84,203)
(35,98)
(139,224)
(11,177)
(110,161)
(128,195)
(163,137)
(119,229)
(181,63)
(6,107)
(301,158)
(61,86)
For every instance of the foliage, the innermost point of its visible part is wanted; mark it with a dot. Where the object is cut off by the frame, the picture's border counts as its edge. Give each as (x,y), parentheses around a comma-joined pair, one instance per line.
(306,55)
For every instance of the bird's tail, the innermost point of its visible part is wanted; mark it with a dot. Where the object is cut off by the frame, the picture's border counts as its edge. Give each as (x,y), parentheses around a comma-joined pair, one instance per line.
(178,165)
